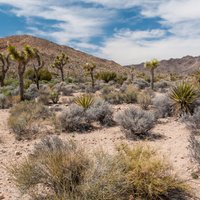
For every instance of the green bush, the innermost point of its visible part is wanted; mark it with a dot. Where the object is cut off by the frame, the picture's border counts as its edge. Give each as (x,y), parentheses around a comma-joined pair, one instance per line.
(44,75)
(106,76)
(70,173)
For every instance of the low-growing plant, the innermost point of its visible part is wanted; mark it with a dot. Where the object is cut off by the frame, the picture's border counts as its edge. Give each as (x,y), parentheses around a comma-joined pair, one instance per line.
(183,96)
(136,122)
(26,117)
(144,99)
(3,101)
(163,105)
(195,148)
(106,76)
(128,95)
(100,111)
(70,173)
(54,96)
(74,118)
(85,100)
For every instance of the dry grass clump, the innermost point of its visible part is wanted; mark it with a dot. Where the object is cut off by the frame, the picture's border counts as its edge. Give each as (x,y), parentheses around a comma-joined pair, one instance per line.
(144,99)
(26,119)
(63,170)
(195,148)
(136,122)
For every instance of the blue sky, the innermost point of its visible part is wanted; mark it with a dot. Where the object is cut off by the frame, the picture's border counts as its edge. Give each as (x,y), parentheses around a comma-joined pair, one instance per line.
(126,31)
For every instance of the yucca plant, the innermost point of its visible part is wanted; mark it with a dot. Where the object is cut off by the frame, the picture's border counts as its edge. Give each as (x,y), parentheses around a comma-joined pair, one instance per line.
(183,96)
(85,100)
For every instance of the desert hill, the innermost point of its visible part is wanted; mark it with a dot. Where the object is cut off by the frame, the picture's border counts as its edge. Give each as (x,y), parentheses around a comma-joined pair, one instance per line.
(182,66)
(50,50)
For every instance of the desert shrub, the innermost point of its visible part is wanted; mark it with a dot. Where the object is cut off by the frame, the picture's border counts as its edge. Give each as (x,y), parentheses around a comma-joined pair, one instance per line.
(57,165)
(26,117)
(85,100)
(135,122)
(70,173)
(193,121)
(183,97)
(195,148)
(144,99)
(121,79)
(141,84)
(100,111)
(162,85)
(32,92)
(3,101)
(67,90)
(106,76)
(11,82)
(163,106)
(74,118)
(44,75)
(129,95)
(54,96)
(44,95)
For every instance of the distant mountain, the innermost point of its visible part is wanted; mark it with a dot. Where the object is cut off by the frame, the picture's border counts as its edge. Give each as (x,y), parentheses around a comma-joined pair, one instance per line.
(181,66)
(50,50)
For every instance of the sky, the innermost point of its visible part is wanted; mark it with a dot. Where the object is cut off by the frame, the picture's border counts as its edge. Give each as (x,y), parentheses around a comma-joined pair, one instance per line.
(126,31)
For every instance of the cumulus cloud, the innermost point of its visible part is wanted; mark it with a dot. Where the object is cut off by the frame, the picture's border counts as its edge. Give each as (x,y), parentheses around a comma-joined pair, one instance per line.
(78,22)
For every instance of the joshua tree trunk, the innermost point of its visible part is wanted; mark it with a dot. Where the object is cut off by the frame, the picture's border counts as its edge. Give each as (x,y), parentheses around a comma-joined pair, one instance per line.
(62,74)
(21,86)
(92,77)
(152,79)
(2,77)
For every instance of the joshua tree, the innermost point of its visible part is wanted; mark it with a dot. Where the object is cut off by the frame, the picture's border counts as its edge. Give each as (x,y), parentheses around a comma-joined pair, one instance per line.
(152,65)
(132,70)
(37,67)
(22,58)
(4,66)
(89,69)
(59,63)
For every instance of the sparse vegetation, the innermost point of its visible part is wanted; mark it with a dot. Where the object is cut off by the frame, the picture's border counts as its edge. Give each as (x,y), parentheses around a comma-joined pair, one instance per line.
(89,69)
(4,67)
(106,76)
(144,99)
(70,173)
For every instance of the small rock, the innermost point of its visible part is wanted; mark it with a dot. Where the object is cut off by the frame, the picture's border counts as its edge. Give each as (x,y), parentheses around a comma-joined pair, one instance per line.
(17,153)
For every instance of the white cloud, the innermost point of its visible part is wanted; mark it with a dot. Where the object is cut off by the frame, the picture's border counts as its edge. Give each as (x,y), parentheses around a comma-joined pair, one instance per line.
(178,34)
(125,50)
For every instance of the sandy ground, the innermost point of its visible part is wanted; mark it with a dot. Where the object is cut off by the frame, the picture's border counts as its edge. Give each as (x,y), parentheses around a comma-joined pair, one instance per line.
(173,144)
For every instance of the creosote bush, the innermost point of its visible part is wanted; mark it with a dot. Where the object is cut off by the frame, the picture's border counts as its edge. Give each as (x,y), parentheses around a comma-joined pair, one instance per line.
(70,172)
(144,99)
(136,122)
(26,117)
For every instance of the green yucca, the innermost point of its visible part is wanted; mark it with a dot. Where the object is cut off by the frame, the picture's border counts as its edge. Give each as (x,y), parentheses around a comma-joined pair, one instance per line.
(183,96)
(85,100)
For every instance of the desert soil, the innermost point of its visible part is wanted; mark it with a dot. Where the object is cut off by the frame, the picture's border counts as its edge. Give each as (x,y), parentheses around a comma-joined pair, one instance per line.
(172,144)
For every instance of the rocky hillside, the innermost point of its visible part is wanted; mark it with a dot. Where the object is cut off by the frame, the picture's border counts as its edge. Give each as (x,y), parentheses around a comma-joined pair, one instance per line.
(181,66)
(49,50)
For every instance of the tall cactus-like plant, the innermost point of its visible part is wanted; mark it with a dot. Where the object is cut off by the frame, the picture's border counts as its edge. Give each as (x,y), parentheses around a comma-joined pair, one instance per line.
(22,58)
(59,63)
(151,66)
(89,69)
(37,67)
(4,67)
(183,96)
